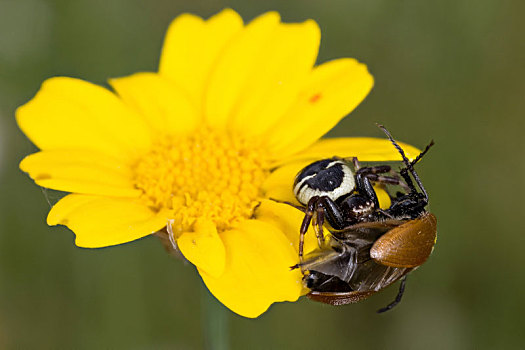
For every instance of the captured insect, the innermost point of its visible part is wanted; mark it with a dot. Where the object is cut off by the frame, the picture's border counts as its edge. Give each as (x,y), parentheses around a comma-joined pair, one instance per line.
(369,248)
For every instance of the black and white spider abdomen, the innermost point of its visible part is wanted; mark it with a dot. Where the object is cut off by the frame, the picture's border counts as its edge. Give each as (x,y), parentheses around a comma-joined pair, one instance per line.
(328,177)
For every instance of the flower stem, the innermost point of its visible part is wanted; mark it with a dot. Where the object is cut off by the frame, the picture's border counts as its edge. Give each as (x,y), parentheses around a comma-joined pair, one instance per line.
(215,322)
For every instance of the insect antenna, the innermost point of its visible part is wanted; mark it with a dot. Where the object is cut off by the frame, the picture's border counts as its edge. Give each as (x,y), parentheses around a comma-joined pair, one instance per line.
(418,158)
(408,164)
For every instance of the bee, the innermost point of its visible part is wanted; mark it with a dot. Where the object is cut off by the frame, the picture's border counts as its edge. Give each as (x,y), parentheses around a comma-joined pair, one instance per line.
(369,248)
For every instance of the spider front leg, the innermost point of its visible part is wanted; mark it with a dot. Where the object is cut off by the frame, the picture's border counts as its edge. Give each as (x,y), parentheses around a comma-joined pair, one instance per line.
(389,180)
(318,222)
(308,214)
(372,174)
(319,209)
(364,186)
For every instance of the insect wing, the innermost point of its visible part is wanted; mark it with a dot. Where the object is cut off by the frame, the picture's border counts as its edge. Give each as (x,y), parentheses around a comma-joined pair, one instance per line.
(368,279)
(348,249)
(373,276)
(408,245)
(366,232)
(347,259)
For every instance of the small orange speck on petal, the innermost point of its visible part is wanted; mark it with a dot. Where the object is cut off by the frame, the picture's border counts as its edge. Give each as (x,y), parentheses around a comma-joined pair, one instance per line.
(315,98)
(43,177)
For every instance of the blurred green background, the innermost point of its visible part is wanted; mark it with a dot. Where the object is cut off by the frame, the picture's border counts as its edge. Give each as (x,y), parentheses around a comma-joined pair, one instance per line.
(451,70)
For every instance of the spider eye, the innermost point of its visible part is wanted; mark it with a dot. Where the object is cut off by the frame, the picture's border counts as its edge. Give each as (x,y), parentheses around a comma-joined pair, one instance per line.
(327,177)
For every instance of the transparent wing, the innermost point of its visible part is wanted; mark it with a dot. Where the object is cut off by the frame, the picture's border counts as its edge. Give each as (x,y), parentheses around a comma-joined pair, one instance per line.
(347,258)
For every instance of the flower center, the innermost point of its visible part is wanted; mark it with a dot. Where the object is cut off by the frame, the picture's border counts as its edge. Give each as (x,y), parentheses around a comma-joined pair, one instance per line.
(209,174)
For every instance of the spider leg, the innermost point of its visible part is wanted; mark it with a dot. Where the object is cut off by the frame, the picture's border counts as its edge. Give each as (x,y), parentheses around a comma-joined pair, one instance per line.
(389,180)
(309,213)
(319,220)
(357,166)
(299,207)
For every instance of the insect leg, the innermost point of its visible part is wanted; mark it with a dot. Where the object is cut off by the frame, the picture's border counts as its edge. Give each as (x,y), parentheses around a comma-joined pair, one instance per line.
(398,297)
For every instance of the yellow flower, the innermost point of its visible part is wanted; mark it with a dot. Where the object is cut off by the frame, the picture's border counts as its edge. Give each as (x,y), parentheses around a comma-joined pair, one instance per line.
(233,113)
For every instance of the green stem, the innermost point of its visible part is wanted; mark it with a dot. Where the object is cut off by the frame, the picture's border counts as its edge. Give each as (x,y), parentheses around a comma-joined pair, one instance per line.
(215,322)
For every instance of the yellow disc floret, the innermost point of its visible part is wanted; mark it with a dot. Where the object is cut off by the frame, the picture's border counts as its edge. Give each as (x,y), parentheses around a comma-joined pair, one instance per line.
(208,174)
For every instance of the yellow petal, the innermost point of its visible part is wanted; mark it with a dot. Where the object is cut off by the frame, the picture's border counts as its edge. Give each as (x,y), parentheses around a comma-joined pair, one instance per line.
(101,221)
(70,113)
(366,149)
(274,79)
(204,248)
(191,48)
(229,76)
(164,105)
(332,91)
(78,171)
(382,197)
(288,219)
(279,184)
(257,273)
